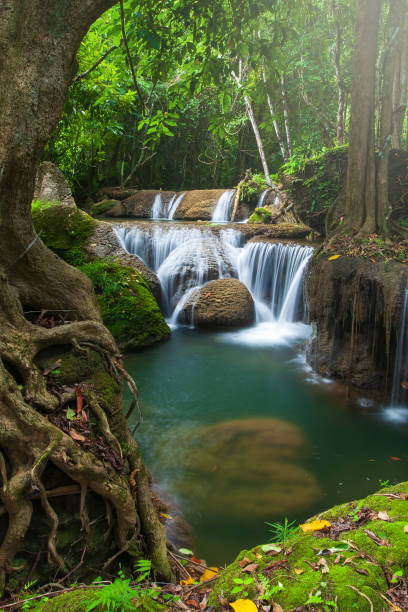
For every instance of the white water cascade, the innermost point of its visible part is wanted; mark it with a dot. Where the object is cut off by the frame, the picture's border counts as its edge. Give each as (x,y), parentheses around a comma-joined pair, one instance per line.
(174,204)
(185,258)
(162,211)
(399,394)
(223,209)
(262,198)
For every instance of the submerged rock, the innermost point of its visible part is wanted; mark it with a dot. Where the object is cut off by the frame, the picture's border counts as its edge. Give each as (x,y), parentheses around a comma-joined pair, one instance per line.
(255,463)
(223,302)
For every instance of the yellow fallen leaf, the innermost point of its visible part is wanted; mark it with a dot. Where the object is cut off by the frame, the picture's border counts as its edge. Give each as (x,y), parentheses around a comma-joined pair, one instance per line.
(333,257)
(167,516)
(209,573)
(189,580)
(315,526)
(243,605)
(298,571)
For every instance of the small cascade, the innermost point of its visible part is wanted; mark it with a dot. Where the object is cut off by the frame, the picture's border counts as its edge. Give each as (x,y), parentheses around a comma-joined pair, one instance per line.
(185,258)
(157,208)
(262,198)
(174,204)
(273,274)
(223,209)
(399,393)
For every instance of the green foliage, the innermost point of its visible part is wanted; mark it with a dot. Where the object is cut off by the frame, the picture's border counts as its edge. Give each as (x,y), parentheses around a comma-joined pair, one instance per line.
(241,585)
(42,204)
(281,532)
(252,188)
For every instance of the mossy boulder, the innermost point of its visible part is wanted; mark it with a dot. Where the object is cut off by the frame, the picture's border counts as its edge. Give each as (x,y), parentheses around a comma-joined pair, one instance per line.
(65,229)
(80,599)
(347,566)
(261,215)
(128,307)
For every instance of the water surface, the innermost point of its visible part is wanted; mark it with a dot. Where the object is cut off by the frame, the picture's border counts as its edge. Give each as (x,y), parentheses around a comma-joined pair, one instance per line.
(240,432)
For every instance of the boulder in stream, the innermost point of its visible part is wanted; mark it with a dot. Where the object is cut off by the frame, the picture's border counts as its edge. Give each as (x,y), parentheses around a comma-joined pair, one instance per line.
(224,302)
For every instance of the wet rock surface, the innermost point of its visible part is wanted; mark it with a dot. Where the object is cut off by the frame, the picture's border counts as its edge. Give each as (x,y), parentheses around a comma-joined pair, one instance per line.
(224,302)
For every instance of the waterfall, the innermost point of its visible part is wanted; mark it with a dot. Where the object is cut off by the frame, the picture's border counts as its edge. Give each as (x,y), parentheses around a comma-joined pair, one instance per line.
(223,208)
(262,198)
(273,274)
(399,393)
(174,204)
(157,207)
(185,258)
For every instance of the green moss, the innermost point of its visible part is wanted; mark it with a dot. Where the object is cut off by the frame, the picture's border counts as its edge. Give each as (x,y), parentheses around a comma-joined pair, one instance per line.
(129,309)
(361,565)
(261,215)
(102,208)
(64,229)
(80,599)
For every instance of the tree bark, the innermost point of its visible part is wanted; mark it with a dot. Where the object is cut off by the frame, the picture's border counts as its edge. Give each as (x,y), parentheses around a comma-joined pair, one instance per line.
(340,83)
(275,123)
(390,67)
(400,87)
(361,173)
(286,116)
(38,45)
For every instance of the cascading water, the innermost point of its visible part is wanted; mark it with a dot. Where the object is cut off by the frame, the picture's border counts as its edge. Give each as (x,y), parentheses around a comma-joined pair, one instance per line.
(399,392)
(262,198)
(174,204)
(185,258)
(157,207)
(223,209)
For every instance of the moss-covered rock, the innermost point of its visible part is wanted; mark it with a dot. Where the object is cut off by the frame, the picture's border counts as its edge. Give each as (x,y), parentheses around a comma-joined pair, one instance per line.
(64,229)
(261,215)
(346,567)
(128,307)
(102,208)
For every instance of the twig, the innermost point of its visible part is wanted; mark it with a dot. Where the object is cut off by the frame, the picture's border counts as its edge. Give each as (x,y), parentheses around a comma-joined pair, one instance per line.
(78,565)
(197,586)
(179,564)
(362,595)
(205,567)
(83,75)
(125,42)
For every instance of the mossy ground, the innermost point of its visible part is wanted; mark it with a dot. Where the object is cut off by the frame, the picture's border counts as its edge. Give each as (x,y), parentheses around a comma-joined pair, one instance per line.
(128,307)
(322,567)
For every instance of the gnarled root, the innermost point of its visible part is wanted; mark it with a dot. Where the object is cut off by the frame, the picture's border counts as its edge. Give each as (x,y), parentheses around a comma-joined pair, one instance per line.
(29,441)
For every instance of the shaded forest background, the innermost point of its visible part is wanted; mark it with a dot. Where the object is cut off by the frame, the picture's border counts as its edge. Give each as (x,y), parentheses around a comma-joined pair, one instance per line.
(166,98)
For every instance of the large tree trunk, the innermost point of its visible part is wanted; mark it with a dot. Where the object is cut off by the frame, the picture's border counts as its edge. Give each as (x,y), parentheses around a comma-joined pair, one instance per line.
(275,123)
(400,87)
(390,68)
(38,45)
(361,173)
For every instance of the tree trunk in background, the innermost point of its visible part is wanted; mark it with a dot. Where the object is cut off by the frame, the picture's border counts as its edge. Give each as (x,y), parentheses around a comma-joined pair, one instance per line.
(258,139)
(275,123)
(286,116)
(340,84)
(390,74)
(361,173)
(400,87)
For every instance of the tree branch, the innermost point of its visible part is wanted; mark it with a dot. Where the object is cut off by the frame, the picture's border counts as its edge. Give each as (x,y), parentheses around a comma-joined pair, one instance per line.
(83,75)
(125,42)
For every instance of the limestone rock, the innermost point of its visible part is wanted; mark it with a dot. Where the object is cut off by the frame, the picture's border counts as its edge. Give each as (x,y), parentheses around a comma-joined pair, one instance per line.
(51,185)
(223,302)
(198,204)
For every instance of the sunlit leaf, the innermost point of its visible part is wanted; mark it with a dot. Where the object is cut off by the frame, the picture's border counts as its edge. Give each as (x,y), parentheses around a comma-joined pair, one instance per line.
(243,605)
(334,257)
(315,526)
(209,573)
(186,551)
(269,547)
(187,581)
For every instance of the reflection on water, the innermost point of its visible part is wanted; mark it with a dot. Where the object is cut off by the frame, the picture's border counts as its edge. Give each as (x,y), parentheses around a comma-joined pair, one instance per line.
(238,436)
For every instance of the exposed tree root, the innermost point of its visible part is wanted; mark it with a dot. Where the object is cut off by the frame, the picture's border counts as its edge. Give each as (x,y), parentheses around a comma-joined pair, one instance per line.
(29,440)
